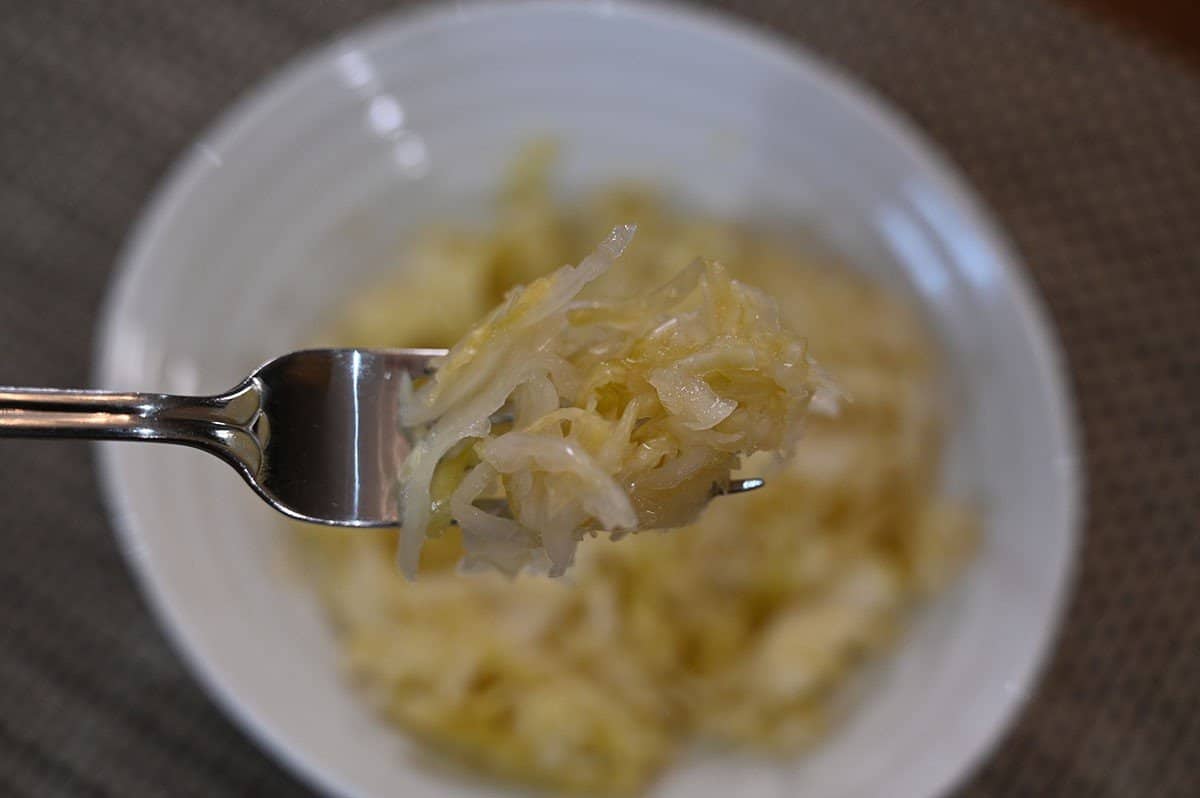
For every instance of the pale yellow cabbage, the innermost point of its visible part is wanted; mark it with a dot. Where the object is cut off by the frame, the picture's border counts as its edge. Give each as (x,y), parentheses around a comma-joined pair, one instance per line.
(627,413)
(743,629)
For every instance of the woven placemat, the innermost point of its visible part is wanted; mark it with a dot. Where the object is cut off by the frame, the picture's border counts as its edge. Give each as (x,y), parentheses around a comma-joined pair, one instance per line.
(1085,144)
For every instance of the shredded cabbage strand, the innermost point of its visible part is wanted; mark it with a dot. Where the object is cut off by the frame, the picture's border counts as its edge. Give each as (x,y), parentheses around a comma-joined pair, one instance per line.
(625,413)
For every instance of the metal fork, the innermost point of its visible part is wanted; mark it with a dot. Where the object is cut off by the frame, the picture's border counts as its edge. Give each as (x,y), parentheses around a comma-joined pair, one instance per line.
(316,433)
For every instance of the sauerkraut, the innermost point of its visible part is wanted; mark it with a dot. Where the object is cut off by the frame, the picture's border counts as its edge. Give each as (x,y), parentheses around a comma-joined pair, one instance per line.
(626,414)
(743,629)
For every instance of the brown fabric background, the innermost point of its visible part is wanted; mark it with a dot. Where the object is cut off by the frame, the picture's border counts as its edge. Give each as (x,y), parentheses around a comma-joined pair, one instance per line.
(1085,144)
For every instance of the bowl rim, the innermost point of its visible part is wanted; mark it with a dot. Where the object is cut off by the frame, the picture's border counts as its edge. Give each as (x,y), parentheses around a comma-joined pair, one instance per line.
(893,123)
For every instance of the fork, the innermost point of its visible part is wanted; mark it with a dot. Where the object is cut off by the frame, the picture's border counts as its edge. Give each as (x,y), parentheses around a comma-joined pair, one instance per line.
(316,433)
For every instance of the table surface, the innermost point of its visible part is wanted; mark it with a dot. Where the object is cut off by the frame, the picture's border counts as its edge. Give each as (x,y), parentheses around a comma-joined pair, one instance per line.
(1172,25)
(1084,142)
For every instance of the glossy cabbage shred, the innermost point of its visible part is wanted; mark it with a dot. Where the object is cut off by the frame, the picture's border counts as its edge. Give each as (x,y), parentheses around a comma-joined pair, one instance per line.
(614,415)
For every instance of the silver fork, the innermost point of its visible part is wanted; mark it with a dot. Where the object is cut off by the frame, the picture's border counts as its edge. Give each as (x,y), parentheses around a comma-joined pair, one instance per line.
(316,433)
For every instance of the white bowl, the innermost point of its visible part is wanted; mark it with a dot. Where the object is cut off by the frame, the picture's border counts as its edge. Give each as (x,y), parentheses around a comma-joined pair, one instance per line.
(302,194)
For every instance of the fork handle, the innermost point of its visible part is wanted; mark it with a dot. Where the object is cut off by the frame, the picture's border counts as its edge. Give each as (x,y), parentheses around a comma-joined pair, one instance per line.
(229,425)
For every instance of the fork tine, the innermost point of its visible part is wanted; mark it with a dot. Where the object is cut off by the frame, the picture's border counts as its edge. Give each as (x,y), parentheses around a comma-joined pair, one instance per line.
(738,486)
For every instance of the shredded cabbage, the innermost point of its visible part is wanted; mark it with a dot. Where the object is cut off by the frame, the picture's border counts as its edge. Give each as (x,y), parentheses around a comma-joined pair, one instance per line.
(744,629)
(627,412)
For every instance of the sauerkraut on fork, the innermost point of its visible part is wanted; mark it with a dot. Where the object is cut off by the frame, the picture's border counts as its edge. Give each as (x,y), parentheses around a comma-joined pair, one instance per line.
(600,415)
